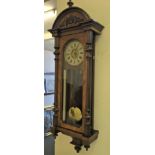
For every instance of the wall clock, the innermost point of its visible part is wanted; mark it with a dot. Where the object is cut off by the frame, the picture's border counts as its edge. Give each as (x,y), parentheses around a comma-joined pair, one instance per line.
(74,32)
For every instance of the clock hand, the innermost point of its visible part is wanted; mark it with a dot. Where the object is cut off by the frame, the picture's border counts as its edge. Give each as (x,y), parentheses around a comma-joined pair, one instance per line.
(77,47)
(75,52)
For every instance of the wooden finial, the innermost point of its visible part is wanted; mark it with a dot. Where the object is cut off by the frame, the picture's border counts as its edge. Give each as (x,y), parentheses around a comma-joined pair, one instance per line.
(70,3)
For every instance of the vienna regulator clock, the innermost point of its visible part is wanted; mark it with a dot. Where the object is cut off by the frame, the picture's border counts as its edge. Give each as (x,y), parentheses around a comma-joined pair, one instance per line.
(74,32)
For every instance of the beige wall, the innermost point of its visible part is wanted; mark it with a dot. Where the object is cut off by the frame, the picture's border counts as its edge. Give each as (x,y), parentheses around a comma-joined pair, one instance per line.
(99,11)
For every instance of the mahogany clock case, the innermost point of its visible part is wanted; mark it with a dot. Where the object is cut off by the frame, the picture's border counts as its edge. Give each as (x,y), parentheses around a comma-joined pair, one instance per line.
(75,24)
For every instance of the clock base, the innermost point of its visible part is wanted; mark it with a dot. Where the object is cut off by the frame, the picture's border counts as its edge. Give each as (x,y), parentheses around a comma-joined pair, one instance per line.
(79,139)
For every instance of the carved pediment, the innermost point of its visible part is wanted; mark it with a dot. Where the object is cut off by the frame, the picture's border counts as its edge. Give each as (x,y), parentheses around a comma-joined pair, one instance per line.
(70,21)
(70,17)
(74,18)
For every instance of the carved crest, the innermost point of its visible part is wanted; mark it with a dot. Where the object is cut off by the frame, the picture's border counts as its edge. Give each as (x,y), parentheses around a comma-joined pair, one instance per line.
(74,18)
(70,17)
(70,21)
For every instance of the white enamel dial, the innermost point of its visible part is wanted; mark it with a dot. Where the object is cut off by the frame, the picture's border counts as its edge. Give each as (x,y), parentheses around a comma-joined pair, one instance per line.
(74,53)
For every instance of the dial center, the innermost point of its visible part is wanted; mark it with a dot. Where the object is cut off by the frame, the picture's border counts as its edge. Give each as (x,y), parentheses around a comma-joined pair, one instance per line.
(74,54)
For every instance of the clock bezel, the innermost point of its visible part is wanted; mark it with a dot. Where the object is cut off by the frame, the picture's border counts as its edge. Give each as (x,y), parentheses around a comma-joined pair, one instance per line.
(65,46)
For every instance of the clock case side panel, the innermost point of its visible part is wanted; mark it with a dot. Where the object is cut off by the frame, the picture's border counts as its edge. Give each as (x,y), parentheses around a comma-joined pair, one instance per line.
(89,115)
(56,107)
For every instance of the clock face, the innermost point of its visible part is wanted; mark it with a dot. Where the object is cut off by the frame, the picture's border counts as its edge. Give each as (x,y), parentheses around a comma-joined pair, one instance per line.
(74,53)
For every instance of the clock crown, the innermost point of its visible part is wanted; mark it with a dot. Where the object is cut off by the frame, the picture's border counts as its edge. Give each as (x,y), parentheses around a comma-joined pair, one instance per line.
(70,3)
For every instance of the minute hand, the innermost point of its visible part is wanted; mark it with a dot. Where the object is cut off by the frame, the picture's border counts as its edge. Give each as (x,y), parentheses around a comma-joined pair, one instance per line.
(77,47)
